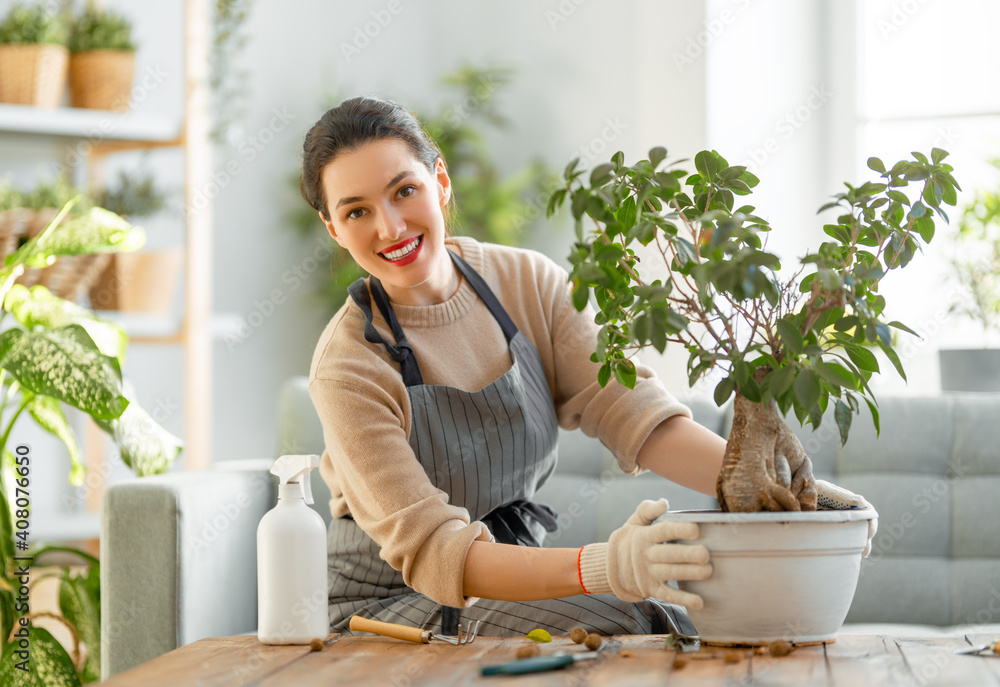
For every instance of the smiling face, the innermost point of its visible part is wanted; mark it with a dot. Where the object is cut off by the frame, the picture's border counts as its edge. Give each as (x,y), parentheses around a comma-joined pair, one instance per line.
(385,209)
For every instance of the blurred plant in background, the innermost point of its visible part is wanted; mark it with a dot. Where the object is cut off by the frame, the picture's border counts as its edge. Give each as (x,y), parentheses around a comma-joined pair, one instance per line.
(491,206)
(977,260)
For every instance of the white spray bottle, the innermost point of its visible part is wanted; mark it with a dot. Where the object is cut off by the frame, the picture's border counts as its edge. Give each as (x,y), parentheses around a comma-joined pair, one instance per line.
(291,560)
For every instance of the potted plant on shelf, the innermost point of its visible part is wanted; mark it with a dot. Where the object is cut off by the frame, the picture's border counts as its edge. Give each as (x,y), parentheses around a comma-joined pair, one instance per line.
(33,56)
(52,353)
(144,281)
(785,341)
(102,60)
(977,266)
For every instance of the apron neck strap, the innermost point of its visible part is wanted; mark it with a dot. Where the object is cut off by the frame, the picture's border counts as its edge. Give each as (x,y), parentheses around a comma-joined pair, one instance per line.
(486,294)
(401,351)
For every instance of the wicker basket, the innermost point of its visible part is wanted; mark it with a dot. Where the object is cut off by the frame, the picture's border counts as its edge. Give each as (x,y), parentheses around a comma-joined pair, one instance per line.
(69,276)
(33,74)
(138,282)
(101,79)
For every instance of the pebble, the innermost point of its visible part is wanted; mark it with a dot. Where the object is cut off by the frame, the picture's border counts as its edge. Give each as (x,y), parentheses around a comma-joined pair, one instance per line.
(528,650)
(780,648)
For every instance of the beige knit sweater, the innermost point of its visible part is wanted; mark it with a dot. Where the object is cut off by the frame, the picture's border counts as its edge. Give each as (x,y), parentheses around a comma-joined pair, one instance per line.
(365,410)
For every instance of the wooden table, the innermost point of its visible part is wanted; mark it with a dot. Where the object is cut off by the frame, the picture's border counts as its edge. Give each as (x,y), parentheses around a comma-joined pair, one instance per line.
(372,660)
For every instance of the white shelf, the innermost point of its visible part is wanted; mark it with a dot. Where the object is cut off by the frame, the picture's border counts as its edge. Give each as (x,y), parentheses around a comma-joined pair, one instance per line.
(151,326)
(101,125)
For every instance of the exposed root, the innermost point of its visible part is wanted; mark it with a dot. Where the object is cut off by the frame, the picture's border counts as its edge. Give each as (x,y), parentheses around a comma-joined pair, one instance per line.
(765,467)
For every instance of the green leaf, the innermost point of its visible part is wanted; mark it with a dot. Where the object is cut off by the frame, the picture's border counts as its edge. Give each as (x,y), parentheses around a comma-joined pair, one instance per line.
(790,335)
(779,381)
(539,635)
(65,363)
(657,155)
(625,374)
(94,231)
(836,374)
(80,603)
(900,325)
(570,168)
(937,155)
(724,390)
(862,357)
(807,389)
(601,174)
(38,307)
(893,358)
(49,665)
(706,165)
(843,415)
(145,446)
(875,419)
(604,374)
(49,415)
(581,294)
(876,164)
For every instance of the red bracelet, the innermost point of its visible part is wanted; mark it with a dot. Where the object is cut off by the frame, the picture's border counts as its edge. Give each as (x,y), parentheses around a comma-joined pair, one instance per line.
(579,570)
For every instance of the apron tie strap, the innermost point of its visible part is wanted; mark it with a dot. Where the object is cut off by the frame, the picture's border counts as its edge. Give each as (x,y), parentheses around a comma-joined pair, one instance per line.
(509,524)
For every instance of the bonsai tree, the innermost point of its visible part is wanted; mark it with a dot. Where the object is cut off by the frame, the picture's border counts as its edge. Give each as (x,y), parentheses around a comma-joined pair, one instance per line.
(785,341)
(53,352)
(977,262)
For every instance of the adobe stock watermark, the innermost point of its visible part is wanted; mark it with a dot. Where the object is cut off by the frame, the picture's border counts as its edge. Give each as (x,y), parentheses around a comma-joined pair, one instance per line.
(454,115)
(789,124)
(212,529)
(900,15)
(696,45)
(293,278)
(562,12)
(364,34)
(248,148)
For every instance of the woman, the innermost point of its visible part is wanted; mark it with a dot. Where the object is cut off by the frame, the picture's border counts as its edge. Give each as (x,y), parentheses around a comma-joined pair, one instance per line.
(441,384)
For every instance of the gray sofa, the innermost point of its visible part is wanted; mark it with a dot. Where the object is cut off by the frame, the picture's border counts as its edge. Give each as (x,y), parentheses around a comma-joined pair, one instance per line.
(179,550)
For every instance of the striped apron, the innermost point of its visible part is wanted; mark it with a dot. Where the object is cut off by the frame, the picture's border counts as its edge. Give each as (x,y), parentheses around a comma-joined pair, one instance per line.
(489,450)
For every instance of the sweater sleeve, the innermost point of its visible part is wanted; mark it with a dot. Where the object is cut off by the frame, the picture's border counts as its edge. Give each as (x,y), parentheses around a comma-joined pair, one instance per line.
(619,417)
(387,492)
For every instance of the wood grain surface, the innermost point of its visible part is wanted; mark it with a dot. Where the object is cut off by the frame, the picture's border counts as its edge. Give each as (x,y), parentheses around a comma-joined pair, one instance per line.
(853,661)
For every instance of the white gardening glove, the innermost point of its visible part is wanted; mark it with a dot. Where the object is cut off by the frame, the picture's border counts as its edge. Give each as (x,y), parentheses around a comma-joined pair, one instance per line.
(832,497)
(636,562)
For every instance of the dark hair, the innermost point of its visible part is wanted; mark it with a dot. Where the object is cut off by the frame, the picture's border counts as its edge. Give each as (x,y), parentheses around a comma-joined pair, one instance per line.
(349,126)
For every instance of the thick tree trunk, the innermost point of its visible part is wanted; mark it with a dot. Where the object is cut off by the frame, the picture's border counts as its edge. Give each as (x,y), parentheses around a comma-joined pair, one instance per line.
(765,467)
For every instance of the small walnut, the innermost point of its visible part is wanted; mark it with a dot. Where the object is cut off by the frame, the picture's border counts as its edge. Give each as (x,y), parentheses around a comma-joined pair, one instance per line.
(733,656)
(316,645)
(578,635)
(780,648)
(593,641)
(626,653)
(528,650)
(680,662)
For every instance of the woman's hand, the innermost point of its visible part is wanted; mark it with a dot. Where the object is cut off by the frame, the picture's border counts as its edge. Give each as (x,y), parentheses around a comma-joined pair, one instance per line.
(638,560)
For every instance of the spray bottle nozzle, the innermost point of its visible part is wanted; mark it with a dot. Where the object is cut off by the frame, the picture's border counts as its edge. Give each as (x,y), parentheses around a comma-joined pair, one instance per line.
(295,470)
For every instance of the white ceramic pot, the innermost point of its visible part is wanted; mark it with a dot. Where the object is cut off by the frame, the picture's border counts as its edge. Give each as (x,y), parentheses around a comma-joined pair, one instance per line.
(788,575)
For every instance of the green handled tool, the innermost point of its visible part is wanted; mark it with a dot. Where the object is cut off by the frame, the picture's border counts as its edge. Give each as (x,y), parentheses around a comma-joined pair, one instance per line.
(537,664)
